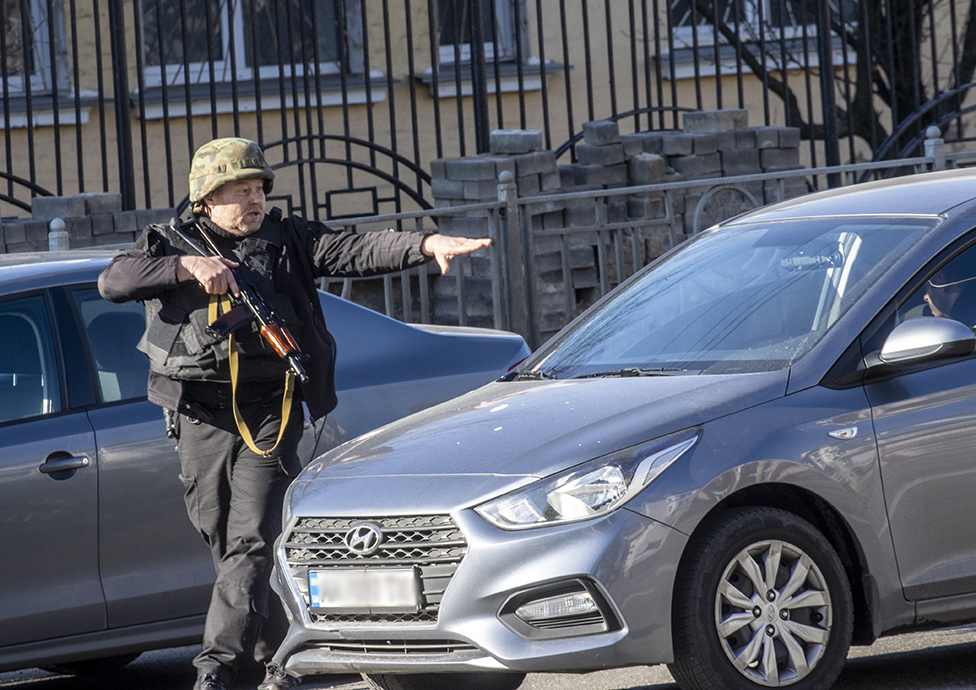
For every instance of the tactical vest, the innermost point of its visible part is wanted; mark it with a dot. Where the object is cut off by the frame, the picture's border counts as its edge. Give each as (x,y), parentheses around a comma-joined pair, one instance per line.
(176,340)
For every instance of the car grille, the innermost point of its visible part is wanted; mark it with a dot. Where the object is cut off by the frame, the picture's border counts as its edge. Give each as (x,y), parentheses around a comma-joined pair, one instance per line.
(431,543)
(397,647)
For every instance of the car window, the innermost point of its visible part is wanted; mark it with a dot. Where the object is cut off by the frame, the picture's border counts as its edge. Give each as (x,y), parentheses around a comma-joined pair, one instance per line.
(949,293)
(113,331)
(746,298)
(29,381)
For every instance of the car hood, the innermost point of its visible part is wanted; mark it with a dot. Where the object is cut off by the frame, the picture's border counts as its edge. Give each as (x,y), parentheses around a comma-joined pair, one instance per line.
(536,428)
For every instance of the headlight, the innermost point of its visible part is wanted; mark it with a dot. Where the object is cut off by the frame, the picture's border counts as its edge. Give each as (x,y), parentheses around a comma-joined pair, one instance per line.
(589,490)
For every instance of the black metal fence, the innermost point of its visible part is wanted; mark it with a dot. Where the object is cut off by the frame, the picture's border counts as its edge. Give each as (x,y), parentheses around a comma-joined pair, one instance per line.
(354,98)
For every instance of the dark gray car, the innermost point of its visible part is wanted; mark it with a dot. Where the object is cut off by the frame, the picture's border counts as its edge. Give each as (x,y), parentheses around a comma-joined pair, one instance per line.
(756,452)
(99,560)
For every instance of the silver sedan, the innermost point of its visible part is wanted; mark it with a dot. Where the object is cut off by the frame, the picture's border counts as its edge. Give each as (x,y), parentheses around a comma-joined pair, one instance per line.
(752,455)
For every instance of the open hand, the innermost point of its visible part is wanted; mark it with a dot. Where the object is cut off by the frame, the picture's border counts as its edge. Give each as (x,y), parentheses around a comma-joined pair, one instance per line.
(444,248)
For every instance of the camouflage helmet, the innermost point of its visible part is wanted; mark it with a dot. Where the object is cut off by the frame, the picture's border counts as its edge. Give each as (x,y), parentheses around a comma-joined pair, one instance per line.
(226,160)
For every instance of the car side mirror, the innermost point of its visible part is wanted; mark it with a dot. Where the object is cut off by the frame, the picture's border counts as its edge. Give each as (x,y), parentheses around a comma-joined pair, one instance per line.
(927,339)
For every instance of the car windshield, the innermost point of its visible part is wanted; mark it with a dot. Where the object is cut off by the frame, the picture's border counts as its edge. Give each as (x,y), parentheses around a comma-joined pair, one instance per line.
(747,298)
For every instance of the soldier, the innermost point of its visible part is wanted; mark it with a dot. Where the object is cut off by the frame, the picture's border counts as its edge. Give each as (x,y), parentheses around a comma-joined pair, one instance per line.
(231,401)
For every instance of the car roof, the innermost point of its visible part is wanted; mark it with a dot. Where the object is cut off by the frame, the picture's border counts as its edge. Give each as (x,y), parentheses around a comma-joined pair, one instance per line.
(35,270)
(927,194)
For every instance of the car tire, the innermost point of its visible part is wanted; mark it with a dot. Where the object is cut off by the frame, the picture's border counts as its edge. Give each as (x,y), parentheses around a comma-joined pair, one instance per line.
(444,681)
(90,666)
(730,635)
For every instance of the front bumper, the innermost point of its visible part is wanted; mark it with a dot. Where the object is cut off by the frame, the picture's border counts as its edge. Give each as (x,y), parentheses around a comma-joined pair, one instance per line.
(626,559)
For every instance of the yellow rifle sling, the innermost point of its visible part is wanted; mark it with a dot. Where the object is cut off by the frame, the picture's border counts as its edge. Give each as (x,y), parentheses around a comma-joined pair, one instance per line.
(222,301)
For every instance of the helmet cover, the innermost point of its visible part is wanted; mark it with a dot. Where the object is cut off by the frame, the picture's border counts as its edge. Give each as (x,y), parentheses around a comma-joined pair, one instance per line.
(226,160)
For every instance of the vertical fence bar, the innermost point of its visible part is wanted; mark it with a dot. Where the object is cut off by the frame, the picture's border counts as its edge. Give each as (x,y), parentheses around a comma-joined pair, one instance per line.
(289,50)
(187,94)
(55,93)
(956,78)
(865,32)
(211,69)
(518,305)
(391,104)
(123,123)
(5,86)
(736,20)
(842,17)
(141,82)
(496,64)
(571,126)
(318,58)
(673,79)
(695,45)
(634,68)
(435,72)
(892,71)
(232,50)
(784,59)
(423,284)
(520,51)
(388,295)
(479,84)
(647,65)
(100,82)
(808,83)
(569,296)
(164,87)
(459,103)
(528,275)
(587,58)
(618,254)
(718,56)
(462,295)
(936,86)
(542,75)
(827,96)
(310,48)
(256,72)
(76,75)
(411,78)
(496,268)
(762,60)
(27,41)
(344,60)
(367,68)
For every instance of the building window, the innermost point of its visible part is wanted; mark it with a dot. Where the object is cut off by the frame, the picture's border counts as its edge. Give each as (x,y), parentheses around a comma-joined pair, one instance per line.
(27,45)
(774,18)
(454,28)
(239,36)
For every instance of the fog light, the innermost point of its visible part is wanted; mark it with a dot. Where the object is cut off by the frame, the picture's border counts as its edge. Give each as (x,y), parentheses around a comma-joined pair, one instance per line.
(573,604)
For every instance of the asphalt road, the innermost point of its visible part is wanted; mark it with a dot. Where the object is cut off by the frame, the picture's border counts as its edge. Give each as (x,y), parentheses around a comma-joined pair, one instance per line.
(935,660)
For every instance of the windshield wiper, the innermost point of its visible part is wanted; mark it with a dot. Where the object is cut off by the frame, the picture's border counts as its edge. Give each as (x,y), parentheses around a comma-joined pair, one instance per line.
(535,376)
(630,371)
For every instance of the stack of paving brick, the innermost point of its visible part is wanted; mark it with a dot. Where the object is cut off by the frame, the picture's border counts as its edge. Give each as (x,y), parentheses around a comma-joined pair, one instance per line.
(471,180)
(91,220)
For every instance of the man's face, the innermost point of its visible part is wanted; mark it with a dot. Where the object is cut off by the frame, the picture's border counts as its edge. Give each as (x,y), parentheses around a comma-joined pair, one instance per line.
(237,207)
(941,299)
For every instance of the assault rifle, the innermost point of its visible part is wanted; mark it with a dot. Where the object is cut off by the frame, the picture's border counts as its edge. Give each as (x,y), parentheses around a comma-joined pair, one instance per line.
(250,306)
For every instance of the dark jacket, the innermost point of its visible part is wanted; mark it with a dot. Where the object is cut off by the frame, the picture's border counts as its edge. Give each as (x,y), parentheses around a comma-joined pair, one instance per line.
(285,256)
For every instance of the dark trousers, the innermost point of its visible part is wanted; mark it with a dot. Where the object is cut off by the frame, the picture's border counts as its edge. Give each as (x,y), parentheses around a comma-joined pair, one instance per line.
(234,499)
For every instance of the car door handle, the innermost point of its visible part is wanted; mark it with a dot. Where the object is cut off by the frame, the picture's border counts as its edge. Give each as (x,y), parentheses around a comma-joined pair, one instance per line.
(68,464)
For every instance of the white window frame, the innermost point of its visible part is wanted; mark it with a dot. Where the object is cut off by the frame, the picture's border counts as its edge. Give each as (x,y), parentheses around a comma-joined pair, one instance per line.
(507,12)
(200,71)
(41,78)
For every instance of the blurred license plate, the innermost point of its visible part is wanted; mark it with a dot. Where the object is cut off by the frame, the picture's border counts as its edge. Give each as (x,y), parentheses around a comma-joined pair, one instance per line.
(364,590)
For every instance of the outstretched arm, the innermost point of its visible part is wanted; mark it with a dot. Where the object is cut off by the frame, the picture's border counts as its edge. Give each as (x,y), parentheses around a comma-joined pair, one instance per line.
(444,248)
